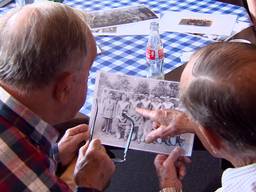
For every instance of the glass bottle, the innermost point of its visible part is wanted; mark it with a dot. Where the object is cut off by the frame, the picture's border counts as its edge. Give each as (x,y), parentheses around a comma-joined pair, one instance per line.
(155,53)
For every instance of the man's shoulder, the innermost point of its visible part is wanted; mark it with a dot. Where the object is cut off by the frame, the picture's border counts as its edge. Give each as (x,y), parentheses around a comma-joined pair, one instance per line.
(15,146)
(22,164)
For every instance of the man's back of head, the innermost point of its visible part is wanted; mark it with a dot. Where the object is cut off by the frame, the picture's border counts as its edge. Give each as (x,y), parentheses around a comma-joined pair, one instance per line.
(39,41)
(221,95)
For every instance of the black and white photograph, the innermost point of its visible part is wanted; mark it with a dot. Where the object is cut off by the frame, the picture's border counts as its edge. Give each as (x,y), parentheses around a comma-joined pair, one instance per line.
(105,30)
(119,16)
(196,22)
(220,25)
(114,117)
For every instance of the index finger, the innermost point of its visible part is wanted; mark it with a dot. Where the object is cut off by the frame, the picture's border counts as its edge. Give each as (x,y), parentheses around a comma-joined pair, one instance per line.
(78,129)
(147,113)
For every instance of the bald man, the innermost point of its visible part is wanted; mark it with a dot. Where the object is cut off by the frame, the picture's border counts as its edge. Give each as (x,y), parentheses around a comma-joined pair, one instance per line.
(217,90)
(46,51)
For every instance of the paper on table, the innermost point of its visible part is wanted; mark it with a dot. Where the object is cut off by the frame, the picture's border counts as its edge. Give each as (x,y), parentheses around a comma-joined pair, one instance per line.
(4,2)
(192,22)
(138,28)
(120,16)
(239,26)
(131,20)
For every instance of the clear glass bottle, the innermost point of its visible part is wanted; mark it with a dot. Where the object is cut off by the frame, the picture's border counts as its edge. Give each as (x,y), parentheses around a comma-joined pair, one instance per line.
(155,53)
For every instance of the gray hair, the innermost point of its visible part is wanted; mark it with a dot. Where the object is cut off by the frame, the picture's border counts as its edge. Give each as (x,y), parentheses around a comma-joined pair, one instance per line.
(38,41)
(221,97)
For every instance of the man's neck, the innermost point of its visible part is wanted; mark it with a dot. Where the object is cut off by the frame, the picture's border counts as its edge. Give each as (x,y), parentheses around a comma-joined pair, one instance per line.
(243,161)
(240,158)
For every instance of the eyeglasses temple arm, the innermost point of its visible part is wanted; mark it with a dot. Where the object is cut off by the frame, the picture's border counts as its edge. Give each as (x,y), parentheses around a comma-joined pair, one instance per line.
(94,122)
(130,135)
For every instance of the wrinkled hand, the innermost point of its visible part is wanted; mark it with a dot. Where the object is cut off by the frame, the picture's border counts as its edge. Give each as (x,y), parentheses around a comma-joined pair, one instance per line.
(167,123)
(71,141)
(171,169)
(94,168)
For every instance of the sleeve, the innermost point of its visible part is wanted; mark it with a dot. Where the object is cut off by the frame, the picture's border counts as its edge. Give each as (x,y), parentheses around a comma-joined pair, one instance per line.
(55,152)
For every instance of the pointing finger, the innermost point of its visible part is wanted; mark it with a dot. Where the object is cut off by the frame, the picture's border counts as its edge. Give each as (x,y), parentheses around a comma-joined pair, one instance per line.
(147,113)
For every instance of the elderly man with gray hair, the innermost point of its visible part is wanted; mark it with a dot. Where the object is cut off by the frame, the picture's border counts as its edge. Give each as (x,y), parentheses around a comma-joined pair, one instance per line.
(46,51)
(217,90)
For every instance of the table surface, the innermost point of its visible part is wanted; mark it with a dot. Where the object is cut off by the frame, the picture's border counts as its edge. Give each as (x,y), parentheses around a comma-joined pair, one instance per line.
(126,54)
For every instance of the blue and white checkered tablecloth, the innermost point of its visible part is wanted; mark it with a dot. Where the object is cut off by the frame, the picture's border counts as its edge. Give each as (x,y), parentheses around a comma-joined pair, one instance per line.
(126,54)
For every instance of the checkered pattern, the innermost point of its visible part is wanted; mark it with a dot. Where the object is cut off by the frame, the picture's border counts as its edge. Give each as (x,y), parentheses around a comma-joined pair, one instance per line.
(26,149)
(126,54)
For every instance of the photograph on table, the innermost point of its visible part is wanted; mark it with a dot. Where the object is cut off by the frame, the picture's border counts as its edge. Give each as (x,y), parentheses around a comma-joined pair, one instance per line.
(113,114)
(196,22)
(105,30)
(120,16)
(219,25)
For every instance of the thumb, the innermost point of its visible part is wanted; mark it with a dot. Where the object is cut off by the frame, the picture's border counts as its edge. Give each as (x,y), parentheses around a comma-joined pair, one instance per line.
(159,159)
(174,155)
(95,145)
(83,150)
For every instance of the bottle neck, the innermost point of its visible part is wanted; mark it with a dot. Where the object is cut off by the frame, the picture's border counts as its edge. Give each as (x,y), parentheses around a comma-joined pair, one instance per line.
(154,32)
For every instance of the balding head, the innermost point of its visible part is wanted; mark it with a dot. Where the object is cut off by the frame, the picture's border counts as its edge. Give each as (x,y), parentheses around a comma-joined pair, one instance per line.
(39,41)
(220,92)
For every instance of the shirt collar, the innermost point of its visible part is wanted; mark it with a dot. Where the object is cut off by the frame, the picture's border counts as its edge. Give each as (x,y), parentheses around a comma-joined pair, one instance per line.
(41,128)
(241,177)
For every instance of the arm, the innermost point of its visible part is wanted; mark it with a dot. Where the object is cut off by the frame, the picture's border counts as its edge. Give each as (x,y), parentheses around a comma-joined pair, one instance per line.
(168,123)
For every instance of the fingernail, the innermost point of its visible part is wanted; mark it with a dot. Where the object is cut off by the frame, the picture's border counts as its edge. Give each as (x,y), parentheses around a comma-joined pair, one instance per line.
(98,147)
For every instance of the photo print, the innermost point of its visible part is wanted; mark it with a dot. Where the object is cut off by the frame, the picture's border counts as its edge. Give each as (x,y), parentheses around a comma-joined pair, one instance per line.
(115,99)
(120,16)
(196,22)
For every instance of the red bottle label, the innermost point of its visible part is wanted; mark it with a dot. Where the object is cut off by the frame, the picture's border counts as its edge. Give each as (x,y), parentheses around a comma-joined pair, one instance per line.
(150,54)
(161,53)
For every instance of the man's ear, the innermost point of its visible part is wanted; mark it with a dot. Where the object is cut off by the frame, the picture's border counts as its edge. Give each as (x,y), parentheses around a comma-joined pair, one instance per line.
(211,141)
(62,87)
